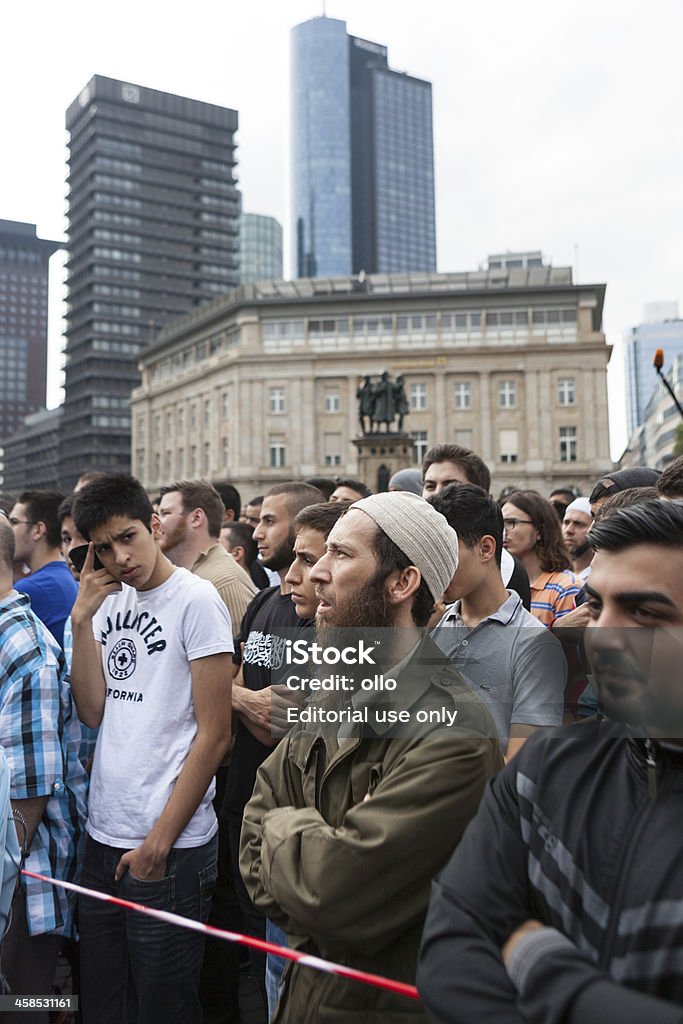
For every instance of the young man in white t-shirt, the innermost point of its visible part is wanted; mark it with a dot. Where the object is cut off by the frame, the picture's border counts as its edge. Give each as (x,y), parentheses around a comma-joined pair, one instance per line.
(152,667)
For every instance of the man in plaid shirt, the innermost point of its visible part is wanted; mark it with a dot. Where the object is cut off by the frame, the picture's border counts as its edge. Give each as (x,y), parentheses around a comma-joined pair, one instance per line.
(40,734)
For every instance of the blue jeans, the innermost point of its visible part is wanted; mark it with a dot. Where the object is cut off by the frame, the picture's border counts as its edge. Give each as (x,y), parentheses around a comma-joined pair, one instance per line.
(275,966)
(135,969)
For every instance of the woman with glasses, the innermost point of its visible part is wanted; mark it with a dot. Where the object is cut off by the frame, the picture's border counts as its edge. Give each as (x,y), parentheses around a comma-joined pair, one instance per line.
(533,533)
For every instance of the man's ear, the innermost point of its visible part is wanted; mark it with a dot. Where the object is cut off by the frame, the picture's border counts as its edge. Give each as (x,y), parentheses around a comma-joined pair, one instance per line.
(155,526)
(39,530)
(487,548)
(402,584)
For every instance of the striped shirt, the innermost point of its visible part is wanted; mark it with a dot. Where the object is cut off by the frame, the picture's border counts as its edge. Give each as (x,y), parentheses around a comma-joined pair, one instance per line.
(40,734)
(553,594)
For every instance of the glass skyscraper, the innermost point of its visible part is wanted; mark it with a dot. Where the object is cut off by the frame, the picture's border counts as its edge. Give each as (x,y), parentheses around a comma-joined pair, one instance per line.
(260,248)
(640,344)
(362,158)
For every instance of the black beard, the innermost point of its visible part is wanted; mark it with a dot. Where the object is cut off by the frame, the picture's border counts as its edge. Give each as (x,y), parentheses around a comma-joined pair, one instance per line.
(283,556)
(580,550)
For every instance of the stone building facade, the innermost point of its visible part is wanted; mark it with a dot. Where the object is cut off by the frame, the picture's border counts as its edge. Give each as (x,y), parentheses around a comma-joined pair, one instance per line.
(260,385)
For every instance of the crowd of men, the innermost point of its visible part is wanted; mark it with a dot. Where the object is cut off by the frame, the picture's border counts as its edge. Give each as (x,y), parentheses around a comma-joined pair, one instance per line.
(518,855)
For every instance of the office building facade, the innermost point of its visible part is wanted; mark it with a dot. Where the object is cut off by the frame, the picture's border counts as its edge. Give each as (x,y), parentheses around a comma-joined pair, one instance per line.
(661,328)
(362,154)
(153,213)
(260,248)
(23,323)
(260,386)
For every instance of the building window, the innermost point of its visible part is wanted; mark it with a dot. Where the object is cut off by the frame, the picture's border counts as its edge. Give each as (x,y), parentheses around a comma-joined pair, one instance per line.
(507,394)
(508,445)
(207,411)
(169,423)
(420,445)
(463,395)
(226,453)
(277,400)
(277,455)
(225,405)
(193,416)
(181,421)
(140,463)
(566,391)
(567,444)
(332,401)
(418,397)
(157,426)
(207,457)
(157,466)
(332,449)
(194,465)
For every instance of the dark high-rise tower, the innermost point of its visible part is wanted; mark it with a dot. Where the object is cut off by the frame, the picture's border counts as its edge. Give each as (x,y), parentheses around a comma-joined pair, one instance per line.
(362,158)
(153,232)
(23,322)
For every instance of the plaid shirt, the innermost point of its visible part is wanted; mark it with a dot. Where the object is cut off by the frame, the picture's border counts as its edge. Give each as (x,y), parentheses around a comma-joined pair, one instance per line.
(40,734)
(88,735)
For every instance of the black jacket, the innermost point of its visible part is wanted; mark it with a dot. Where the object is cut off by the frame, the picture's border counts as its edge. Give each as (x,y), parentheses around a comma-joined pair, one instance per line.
(581,833)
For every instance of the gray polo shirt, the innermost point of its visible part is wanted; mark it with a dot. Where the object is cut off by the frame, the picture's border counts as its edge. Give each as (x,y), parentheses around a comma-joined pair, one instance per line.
(511,660)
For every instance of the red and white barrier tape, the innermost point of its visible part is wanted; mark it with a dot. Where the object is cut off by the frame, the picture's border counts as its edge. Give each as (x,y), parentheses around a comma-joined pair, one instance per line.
(399,987)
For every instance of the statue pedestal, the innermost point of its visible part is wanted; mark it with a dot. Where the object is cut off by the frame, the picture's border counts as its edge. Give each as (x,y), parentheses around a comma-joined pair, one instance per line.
(381,455)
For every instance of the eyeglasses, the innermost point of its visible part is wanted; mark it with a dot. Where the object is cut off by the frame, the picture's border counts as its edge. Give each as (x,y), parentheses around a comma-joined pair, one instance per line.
(15,522)
(510,524)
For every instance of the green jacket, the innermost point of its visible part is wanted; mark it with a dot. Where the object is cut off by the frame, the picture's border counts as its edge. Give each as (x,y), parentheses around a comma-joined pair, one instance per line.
(348,878)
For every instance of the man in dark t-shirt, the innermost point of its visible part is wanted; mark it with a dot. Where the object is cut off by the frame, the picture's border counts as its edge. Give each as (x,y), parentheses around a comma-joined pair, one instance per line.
(259,648)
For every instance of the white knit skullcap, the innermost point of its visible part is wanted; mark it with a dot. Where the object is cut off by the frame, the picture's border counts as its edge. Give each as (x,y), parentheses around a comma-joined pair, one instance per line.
(421,533)
(580,505)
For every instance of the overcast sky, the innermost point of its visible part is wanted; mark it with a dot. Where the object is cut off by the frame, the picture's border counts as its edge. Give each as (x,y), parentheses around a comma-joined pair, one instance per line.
(556,126)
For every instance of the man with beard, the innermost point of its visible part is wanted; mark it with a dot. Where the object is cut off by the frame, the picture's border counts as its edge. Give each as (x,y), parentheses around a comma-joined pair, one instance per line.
(347,826)
(191,513)
(577,521)
(564,901)
(259,647)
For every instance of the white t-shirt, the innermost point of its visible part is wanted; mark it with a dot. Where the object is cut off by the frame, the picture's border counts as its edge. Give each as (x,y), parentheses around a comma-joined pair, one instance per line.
(148,640)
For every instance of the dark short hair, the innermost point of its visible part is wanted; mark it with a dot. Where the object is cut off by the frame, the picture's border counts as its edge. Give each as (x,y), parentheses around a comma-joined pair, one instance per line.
(624,499)
(230,497)
(41,507)
(652,522)
(258,500)
(65,509)
(298,495)
(472,513)
(390,558)
(116,494)
(474,468)
(568,492)
(200,494)
(321,517)
(325,485)
(670,483)
(551,549)
(354,485)
(7,544)
(242,535)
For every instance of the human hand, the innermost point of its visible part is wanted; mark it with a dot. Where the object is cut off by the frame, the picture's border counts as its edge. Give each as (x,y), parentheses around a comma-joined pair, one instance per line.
(95,586)
(577,618)
(283,698)
(144,863)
